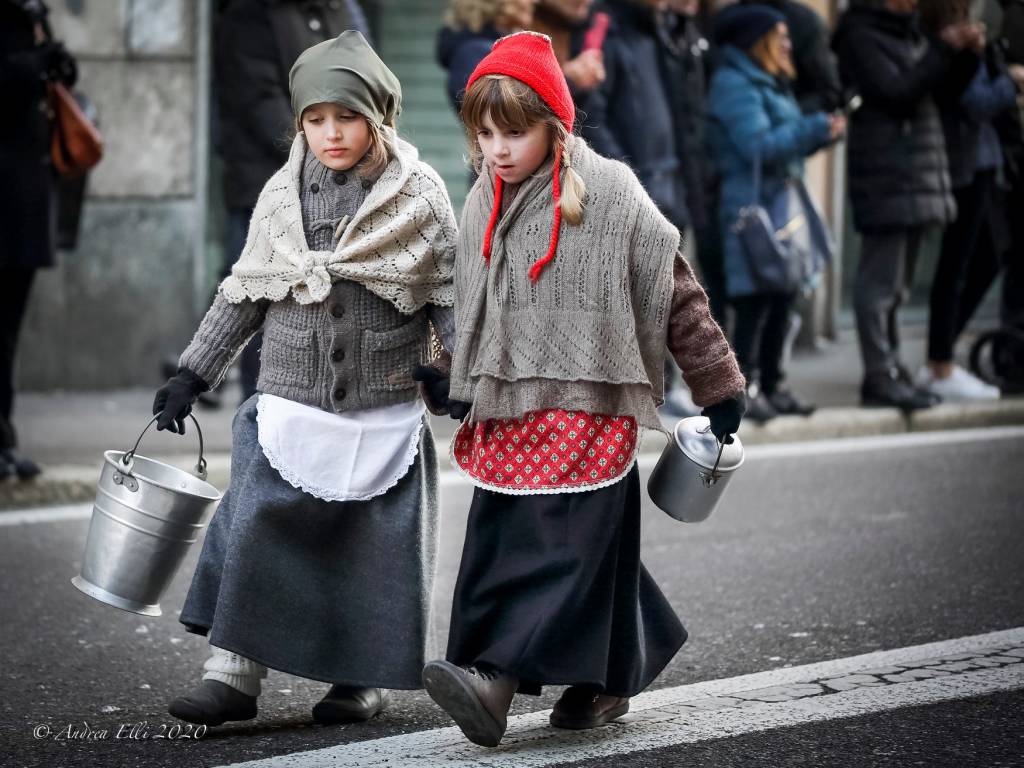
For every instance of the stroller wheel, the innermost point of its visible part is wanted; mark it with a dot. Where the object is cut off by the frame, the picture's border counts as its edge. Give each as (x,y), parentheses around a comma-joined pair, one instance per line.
(997,358)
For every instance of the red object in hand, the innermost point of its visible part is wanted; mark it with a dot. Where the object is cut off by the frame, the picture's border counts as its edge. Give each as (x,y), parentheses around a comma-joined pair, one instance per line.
(593,39)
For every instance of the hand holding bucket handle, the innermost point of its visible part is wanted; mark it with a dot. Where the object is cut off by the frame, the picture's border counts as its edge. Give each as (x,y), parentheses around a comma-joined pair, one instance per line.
(725,416)
(173,401)
(712,477)
(128,460)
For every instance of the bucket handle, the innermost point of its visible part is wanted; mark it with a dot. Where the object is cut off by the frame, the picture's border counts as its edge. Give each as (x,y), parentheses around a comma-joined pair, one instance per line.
(713,477)
(128,460)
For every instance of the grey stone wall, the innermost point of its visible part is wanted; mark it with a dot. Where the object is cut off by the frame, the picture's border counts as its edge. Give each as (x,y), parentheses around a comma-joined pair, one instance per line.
(127,295)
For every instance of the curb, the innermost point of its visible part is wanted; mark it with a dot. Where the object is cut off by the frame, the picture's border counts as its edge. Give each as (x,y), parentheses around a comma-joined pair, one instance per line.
(69,484)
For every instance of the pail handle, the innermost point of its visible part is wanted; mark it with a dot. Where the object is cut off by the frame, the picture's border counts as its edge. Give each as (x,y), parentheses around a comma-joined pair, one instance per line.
(128,460)
(712,478)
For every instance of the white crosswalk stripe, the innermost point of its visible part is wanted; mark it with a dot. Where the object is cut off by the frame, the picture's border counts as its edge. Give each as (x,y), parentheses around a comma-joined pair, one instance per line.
(858,685)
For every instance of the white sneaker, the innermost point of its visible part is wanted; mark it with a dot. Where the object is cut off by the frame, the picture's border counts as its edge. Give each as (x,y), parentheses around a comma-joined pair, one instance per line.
(960,386)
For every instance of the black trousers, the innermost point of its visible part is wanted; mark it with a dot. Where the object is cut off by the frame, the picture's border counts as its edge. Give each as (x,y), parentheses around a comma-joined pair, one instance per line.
(1011,312)
(968,264)
(711,257)
(15,285)
(885,271)
(759,336)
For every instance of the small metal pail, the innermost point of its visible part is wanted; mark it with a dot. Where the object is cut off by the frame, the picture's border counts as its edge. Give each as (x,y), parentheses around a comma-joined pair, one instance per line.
(693,471)
(145,517)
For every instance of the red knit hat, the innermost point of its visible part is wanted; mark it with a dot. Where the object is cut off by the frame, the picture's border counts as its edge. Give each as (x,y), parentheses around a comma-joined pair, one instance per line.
(529,58)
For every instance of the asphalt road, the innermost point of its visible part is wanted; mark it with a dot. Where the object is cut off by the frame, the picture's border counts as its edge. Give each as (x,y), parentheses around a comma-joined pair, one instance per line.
(819,552)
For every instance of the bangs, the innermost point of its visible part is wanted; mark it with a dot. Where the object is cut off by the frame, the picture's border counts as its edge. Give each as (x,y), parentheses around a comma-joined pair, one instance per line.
(511,104)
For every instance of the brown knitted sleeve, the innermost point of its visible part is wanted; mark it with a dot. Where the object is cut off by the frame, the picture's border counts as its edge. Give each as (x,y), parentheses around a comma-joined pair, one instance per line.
(697,343)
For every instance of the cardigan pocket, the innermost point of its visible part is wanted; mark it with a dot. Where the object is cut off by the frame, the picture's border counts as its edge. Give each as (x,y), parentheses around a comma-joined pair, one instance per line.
(390,356)
(289,356)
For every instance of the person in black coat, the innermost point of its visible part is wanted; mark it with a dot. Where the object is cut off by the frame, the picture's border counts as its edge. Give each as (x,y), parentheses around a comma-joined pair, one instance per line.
(639,115)
(971,246)
(632,115)
(684,51)
(689,67)
(29,60)
(897,168)
(1011,128)
(257,41)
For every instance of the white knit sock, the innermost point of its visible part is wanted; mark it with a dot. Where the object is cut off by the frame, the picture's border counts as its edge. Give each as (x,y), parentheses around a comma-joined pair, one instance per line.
(234,670)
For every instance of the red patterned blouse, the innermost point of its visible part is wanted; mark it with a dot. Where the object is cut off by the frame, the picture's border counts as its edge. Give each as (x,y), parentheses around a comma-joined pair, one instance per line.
(549,451)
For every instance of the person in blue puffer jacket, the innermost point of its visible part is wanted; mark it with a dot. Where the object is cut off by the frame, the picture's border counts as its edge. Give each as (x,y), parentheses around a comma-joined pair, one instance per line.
(751,111)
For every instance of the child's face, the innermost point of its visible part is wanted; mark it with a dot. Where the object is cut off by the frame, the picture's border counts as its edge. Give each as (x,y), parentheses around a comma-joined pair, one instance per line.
(338,136)
(514,155)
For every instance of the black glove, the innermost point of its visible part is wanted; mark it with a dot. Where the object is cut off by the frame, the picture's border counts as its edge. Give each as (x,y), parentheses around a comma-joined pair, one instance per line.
(434,385)
(174,400)
(726,416)
(458,410)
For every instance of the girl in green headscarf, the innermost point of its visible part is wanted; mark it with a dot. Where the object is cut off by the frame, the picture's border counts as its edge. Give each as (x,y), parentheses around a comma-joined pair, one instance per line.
(319,561)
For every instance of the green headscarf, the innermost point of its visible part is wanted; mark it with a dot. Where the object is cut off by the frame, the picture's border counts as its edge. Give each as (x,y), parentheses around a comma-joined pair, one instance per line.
(346,70)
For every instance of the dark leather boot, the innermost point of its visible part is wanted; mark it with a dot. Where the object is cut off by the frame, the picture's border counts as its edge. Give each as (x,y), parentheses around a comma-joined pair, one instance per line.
(350,704)
(785,402)
(580,708)
(477,700)
(759,410)
(888,390)
(20,464)
(213,703)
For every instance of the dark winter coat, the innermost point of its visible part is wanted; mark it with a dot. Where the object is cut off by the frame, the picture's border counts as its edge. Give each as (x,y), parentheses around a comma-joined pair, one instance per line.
(459,51)
(632,117)
(967,121)
(817,87)
(1011,124)
(27,194)
(897,165)
(684,66)
(750,113)
(1012,31)
(256,43)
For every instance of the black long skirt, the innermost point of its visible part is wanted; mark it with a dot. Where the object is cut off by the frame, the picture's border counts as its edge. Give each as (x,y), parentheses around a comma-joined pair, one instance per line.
(552,590)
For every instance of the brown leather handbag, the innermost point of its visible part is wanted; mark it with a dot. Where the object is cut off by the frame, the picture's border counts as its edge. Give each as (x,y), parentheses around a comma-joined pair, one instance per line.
(76,145)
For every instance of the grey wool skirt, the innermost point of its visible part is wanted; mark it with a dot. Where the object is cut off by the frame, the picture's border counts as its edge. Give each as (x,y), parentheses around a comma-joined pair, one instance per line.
(326,590)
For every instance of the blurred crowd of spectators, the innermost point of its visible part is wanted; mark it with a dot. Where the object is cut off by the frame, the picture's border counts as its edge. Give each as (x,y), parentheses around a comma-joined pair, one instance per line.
(692,95)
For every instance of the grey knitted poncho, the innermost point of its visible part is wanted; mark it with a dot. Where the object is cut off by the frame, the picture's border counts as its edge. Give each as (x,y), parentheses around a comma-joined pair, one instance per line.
(590,334)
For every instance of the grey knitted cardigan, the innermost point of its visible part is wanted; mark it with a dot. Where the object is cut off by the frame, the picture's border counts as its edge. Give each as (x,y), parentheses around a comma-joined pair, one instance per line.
(351,351)
(591,333)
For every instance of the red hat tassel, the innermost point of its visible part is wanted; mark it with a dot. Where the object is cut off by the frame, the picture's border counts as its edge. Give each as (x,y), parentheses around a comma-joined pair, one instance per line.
(495,210)
(557,194)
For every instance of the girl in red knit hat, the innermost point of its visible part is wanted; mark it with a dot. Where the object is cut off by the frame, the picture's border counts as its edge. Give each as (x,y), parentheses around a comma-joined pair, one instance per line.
(569,285)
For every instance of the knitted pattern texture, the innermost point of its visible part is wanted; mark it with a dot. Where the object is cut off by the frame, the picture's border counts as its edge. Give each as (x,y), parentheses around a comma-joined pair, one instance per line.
(598,315)
(354,350)
(591,334)
(398,244)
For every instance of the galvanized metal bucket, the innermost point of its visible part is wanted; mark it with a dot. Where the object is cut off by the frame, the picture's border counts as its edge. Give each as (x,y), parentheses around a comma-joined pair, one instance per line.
(693,471)
(146,516)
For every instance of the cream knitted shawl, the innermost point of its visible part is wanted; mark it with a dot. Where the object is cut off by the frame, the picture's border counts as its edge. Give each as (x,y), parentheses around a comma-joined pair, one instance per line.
(400,244)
